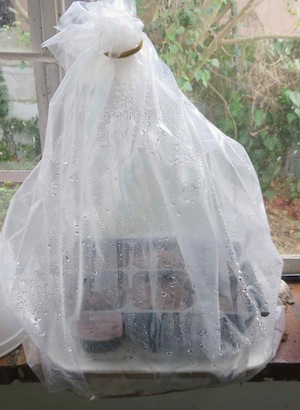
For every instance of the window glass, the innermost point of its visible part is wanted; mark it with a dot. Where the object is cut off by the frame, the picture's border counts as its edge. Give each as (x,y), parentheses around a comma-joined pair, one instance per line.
(19,133)
(14,26)
(7,190)
(227,57)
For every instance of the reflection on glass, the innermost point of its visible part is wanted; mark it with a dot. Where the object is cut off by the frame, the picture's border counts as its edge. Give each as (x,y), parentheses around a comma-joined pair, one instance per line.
(249,89)
(19,133)
(7,191)
(14,25)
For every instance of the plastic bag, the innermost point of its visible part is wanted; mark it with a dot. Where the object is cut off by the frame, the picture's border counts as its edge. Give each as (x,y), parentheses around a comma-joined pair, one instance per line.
(137,254)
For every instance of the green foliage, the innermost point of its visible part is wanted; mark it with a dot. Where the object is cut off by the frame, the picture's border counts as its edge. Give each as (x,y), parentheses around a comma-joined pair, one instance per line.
(264,117)
(3,97)
(267,136)
(181,38)
(11,127)
(7,191)
(295,190)
(15,31)
(5,154)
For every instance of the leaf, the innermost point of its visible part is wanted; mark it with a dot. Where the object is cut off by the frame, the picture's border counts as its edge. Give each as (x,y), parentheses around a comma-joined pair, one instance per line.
(285,95)
(270,194)
(259,154)
(215,62)
(270,143)
(187,86)
(171,36)
(295,97)
(189,41)
(22,64)
(180,30)
(291,117)
(198,74)
(173,48)
(203,75)
(297,112)
(259,117)
(244,139)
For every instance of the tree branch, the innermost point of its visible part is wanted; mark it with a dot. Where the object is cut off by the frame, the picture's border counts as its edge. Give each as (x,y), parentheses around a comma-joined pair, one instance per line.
(213,20)
(227,108)
(228,27)
(222,13)
(239,40)
(240,15)
(18,10)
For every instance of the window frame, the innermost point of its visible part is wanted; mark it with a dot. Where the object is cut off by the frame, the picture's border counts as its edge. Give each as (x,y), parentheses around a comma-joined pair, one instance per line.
(43,16)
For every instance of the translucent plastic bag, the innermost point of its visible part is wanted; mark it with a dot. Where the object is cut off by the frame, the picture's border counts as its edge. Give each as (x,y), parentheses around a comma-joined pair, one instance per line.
(137,255)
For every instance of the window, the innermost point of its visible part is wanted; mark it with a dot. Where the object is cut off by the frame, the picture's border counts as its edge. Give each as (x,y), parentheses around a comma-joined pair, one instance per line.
(238,61)
(29,77)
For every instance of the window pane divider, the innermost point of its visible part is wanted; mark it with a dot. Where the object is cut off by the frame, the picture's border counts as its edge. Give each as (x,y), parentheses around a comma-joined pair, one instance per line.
(27,56)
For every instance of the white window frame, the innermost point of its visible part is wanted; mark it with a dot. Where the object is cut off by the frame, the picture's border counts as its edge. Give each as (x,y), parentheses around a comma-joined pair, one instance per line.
(43,16)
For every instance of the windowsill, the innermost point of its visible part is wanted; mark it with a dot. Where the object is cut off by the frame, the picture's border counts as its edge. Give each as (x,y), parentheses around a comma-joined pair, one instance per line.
(285,365)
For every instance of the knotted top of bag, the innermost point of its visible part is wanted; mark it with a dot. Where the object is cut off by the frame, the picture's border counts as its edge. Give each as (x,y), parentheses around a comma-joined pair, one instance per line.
(108,26)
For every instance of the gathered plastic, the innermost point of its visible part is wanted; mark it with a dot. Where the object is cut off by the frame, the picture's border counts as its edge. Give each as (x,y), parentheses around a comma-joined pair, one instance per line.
(140,244)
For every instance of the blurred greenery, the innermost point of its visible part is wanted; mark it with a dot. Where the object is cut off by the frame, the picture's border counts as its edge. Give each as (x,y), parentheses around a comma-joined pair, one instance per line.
(249,89)
(7,191)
